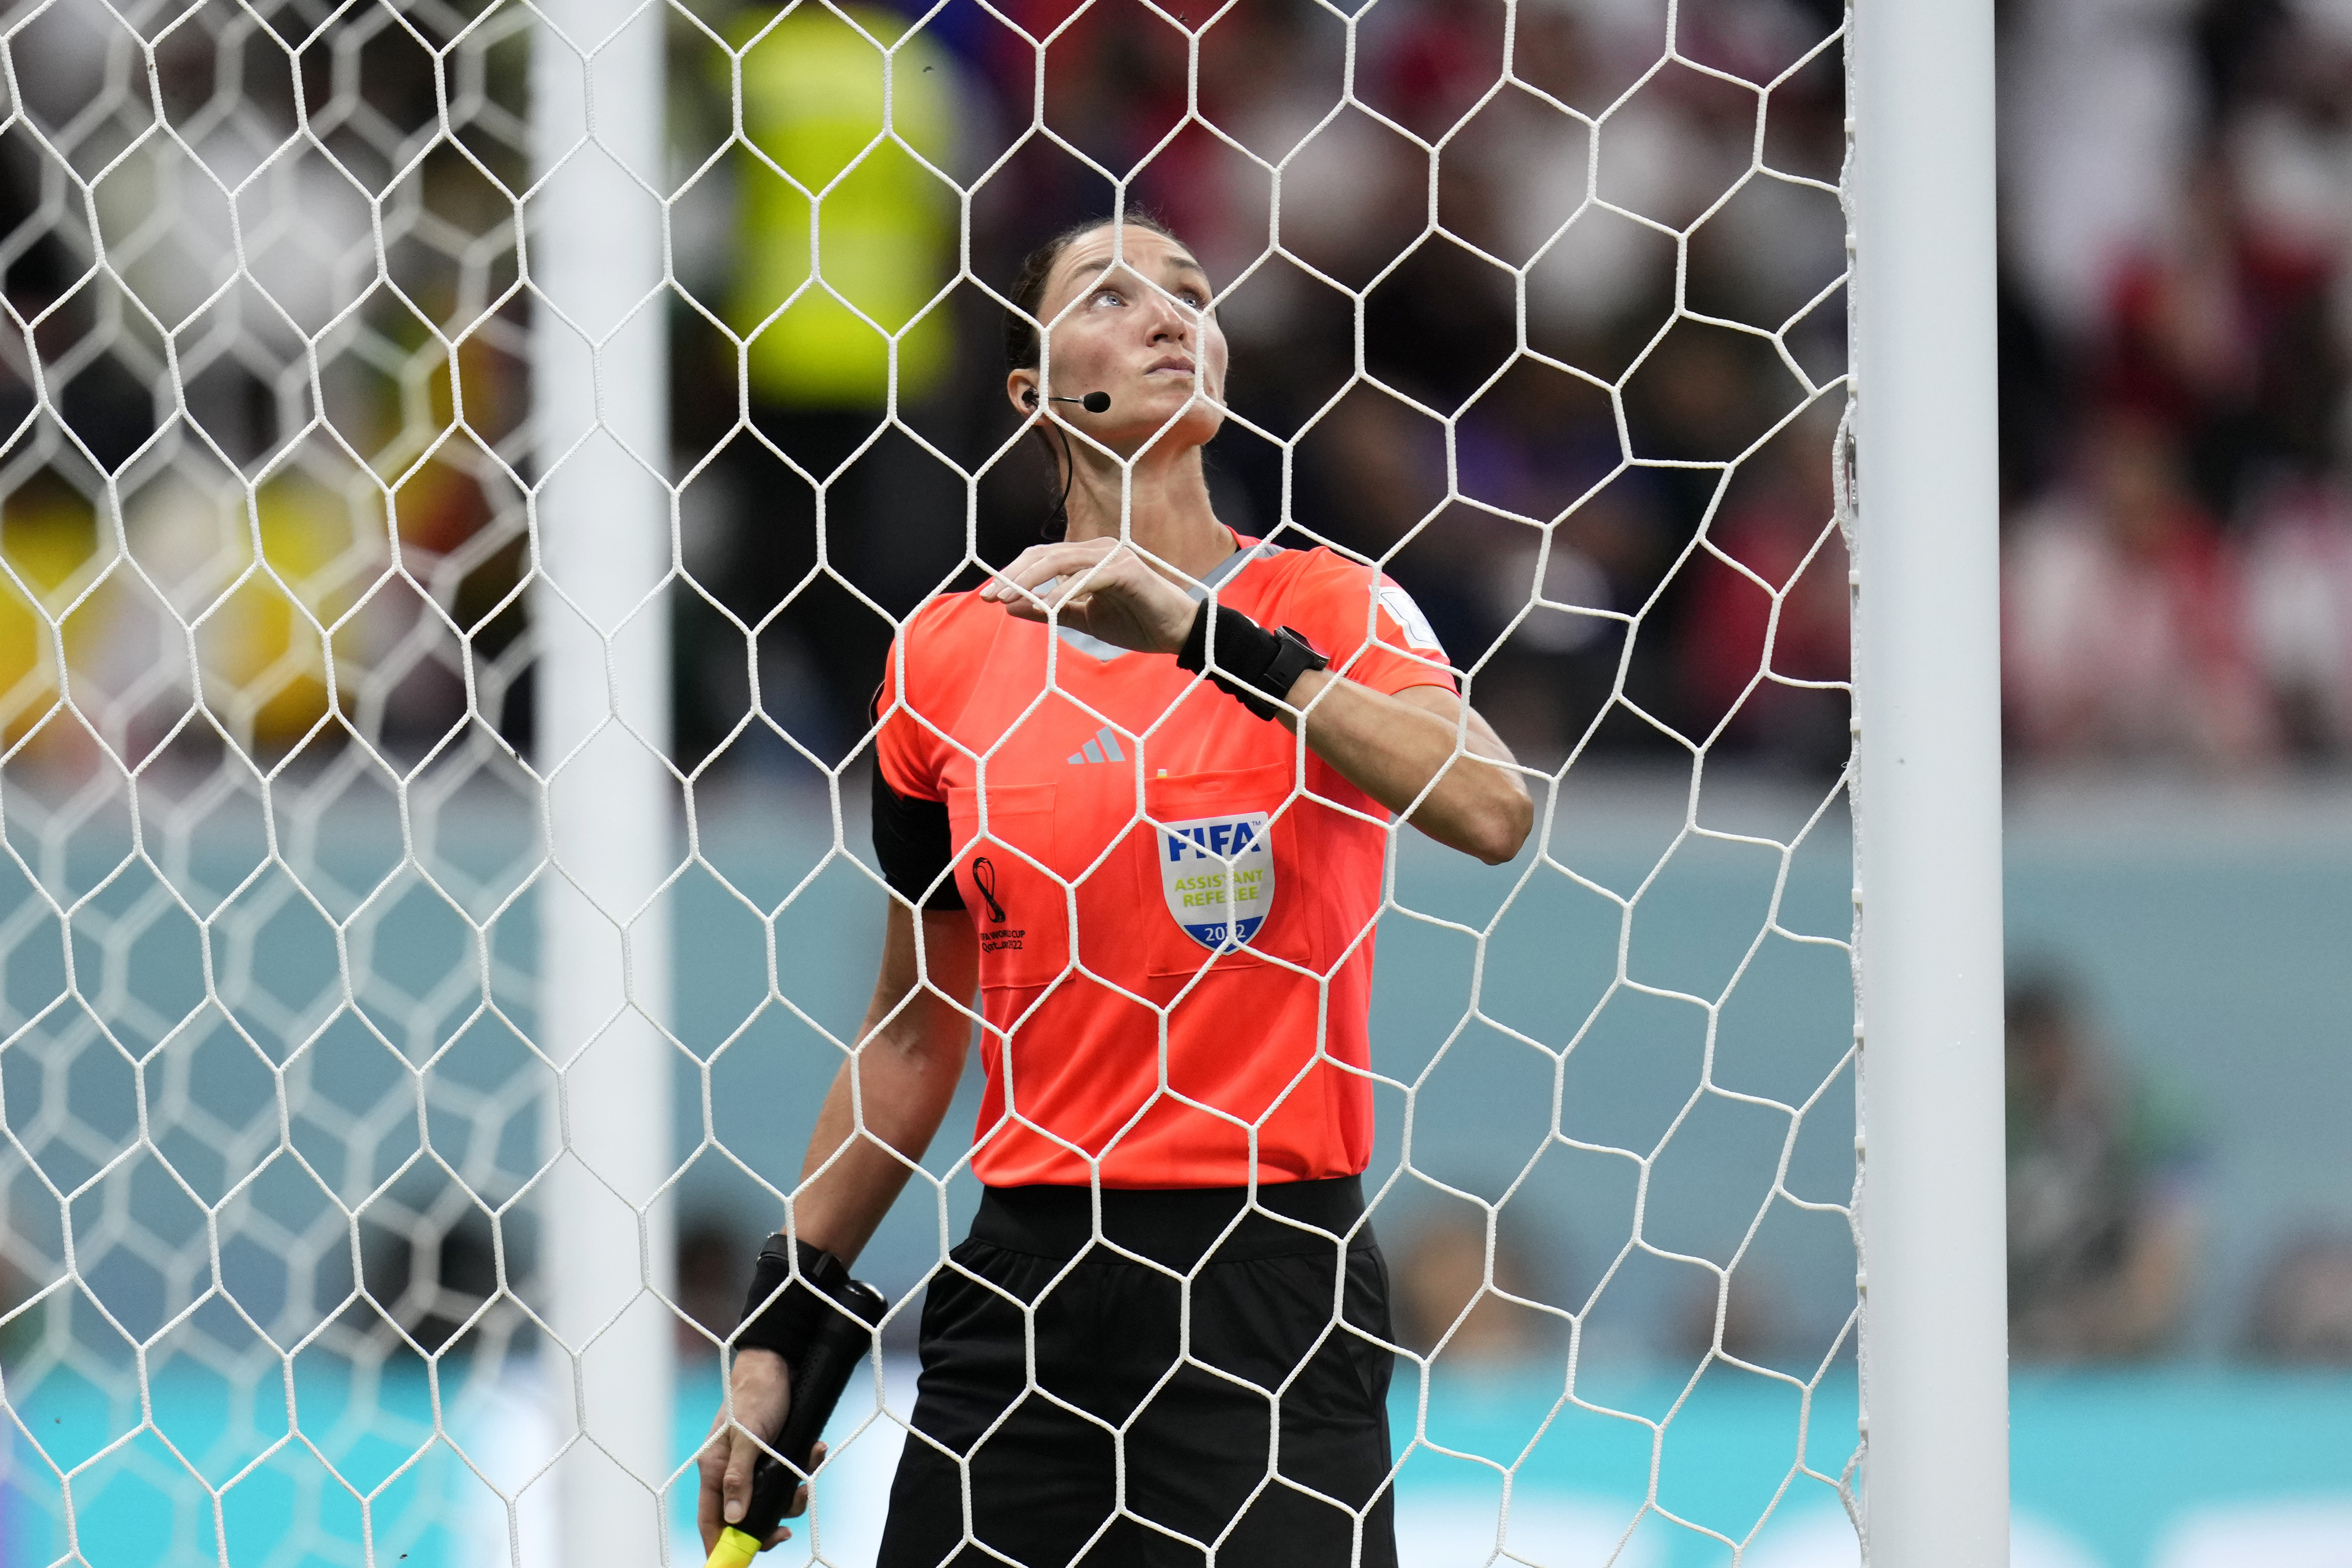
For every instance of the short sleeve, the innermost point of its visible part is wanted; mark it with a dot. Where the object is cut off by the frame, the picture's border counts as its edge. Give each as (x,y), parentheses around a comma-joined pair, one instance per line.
(1401,650)
(906,750)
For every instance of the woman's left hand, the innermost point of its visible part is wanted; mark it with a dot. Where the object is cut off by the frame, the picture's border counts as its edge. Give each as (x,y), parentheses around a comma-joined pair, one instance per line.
(1101,587)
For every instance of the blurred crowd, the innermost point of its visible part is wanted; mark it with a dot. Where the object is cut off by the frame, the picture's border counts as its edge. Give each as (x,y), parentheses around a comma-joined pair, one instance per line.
(1461,516)
(2177,525)
(2176,318)
(314,421)
(2175,303)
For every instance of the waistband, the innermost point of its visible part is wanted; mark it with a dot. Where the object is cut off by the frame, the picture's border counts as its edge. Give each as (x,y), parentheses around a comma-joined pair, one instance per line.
(1175,1226)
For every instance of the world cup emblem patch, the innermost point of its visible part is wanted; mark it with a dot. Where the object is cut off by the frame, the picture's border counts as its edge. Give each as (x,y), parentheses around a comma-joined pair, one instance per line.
(1217,873)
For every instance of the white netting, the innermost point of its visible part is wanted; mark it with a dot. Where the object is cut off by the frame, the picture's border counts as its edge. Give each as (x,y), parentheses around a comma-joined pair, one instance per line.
(1538,308)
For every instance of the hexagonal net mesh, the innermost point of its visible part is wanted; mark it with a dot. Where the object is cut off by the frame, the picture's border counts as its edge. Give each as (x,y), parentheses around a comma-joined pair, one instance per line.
(1536,309)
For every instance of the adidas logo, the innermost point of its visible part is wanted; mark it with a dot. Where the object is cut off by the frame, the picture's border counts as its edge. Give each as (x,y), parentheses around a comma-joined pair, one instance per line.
(1107,750)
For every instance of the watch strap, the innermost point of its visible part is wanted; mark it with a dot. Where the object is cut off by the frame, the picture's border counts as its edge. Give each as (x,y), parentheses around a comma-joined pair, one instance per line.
(1255,667)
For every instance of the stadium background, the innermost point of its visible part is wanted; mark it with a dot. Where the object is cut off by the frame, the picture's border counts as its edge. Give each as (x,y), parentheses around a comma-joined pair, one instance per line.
(2177,316)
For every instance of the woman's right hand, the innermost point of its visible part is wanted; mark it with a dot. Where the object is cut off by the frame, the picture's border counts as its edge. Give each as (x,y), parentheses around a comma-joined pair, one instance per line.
(1101,587)
(758,1393)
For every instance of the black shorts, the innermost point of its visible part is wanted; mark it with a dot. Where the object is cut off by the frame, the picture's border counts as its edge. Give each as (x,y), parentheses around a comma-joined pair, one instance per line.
(1123,1449)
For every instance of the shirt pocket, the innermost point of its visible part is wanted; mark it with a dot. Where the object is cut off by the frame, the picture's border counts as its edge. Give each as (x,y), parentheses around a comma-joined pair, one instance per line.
(1219,880)
(1019,907)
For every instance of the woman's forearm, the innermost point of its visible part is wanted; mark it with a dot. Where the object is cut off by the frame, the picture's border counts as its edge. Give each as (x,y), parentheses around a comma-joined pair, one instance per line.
(848,1182)
(1390,747)
(887,1100)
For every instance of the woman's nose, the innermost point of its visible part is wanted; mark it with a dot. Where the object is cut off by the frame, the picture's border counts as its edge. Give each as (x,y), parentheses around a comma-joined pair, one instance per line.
(1169,319)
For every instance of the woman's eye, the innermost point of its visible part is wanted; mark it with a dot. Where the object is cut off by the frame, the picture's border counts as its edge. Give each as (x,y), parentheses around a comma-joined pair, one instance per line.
(1112,295)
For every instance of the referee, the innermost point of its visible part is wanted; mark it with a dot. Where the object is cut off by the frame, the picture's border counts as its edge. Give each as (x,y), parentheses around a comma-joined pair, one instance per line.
(1205,1365)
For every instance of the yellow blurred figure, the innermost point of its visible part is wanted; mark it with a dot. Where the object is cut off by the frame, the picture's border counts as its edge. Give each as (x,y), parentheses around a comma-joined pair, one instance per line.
(813,103)
(50,537)
(319,559)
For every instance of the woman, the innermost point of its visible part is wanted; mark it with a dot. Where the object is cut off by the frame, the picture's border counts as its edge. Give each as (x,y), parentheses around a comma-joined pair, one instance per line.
(1209,1361)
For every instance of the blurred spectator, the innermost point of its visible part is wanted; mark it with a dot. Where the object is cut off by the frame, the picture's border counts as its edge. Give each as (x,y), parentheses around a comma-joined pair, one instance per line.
(813,100)
(814,374)
(2178,214)
(427,1281)
(18,1329)
(2303,1309)
(2221,333)
(1777,527)
(1442,1294)
(2102,1191)
(2121,628)
(713,1272)
(1741,1308)
(2099,110)
(2299,588)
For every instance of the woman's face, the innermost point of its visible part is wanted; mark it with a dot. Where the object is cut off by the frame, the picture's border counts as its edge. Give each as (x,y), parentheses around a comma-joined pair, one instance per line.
(1137,326)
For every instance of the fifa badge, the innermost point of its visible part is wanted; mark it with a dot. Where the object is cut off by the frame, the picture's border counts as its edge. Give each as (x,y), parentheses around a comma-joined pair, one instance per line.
(1217,874)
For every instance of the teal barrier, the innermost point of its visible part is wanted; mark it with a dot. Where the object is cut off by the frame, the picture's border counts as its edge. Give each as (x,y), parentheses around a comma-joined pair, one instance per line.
(2159,1467)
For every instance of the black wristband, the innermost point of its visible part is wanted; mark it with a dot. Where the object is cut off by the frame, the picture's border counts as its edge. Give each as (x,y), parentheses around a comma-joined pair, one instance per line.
(1255,666)
(810,1293)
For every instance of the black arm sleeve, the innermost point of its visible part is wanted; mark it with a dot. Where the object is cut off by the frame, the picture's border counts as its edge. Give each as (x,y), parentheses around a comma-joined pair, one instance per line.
(913,843)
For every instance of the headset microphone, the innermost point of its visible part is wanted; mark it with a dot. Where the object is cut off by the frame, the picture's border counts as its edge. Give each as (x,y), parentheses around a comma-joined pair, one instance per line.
(1093,402)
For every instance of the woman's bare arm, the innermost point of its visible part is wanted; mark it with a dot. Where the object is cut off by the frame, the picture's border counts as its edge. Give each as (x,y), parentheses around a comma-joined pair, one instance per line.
(1390,747)
(895,1084)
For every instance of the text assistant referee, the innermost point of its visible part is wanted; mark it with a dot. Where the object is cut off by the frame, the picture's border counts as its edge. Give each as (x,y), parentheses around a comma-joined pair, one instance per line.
(1191,743)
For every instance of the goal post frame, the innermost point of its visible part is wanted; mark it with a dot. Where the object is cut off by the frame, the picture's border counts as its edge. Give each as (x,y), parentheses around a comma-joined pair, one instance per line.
(1927,824)
(602,538)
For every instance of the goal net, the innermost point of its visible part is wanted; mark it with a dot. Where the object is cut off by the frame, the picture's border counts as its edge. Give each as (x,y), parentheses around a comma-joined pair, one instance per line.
(429,923)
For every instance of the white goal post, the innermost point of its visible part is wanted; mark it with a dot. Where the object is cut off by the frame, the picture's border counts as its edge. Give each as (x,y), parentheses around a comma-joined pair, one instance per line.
(603,517)
(1928,828)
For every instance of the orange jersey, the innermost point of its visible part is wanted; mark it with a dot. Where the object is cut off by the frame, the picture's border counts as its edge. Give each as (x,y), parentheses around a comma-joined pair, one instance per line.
(1174,899)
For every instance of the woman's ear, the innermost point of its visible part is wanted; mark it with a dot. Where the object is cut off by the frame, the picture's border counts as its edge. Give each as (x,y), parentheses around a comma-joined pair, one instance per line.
(1020,386)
